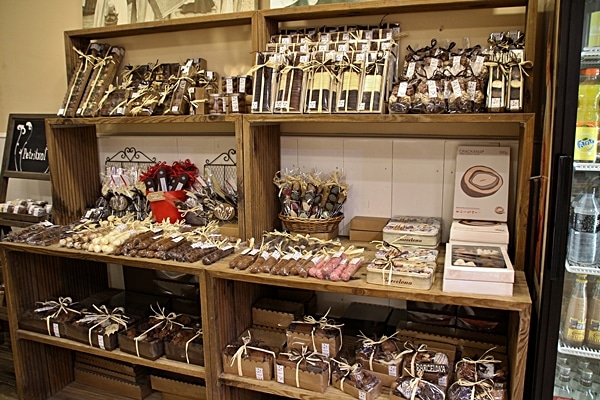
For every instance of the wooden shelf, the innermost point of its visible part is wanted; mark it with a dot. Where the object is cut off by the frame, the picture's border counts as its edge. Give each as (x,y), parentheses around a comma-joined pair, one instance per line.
(155,119)
(162,363)
(82,392)
(280,389)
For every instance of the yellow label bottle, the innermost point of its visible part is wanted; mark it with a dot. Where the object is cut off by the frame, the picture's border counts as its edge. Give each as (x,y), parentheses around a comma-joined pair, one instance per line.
(573,327)
(585,143)
(588,116)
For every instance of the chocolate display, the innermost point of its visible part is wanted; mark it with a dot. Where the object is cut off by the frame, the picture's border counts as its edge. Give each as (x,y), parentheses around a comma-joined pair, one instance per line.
(99,327)
(323,336)
(249,357)
(304,369)
(354,380)
(409,387)
(382,356)
(290,96)
(50,316)
(186,346)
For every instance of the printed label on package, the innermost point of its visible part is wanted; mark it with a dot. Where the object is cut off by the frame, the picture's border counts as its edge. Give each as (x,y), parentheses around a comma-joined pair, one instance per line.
(259,373)
(280,374)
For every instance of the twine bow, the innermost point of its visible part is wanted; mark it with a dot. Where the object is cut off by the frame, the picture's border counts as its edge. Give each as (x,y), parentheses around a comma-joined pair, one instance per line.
(242,352)
(111,88)
(101,63)
(321,323)
(102,316)
(411,349)
(163,319)
(309,357)
(187,344)
(61,306)
(414,384)
(485,358)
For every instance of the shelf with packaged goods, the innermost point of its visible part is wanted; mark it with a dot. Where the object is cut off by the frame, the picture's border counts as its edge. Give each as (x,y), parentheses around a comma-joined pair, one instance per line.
(162,363)
(575,269)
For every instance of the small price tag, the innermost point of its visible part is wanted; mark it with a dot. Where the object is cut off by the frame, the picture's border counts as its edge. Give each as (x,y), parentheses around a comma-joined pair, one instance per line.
(392,370)
(175,108)
(259,373)
(362,395)
(345,36)
(325,349)
(234,104)
(402,88)
(410,70)
(88,213)
(286,40)
(101,342)
(61,111)
(456,88)
(360,57)
(304,49)
(55,329)
(323,47)
(121,110)
(178,239)
(121,228)
(496,103)
(312,105)
(242,84)
(197,245)
(361,107)
(368,35)
(434,63)
(280,374)
(431,89)
(255,105)
(341,103)
(303,59)
(254,252)
(514,105)
(229,85)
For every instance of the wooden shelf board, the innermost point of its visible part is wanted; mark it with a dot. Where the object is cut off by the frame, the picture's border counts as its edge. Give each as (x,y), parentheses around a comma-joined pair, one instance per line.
(382,7)
(155,119)
(162,363)
(173,25)
(82,392)
(280,389)
(359,286)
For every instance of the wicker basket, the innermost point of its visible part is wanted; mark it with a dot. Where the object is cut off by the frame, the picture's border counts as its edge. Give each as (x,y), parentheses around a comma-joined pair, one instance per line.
(307,225)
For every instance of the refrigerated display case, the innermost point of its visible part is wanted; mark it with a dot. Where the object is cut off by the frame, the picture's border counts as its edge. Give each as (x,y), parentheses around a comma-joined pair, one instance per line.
(565,279)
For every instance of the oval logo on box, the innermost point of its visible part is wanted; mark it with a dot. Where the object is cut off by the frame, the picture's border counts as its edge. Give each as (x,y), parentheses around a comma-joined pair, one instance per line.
(499,210)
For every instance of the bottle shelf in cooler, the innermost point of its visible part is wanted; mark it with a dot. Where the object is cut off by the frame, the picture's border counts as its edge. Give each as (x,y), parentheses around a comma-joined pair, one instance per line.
(582,351)
(582,166)
(575,269)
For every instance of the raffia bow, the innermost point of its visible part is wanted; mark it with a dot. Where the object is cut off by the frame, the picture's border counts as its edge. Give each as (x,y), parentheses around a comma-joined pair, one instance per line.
(187,344)
(242,352)
(485,358)
(411,349)
(321,323)
(309,357)
(346,369)
(484,385)
(163,319)
(372,344)
(103,315)
(61,306)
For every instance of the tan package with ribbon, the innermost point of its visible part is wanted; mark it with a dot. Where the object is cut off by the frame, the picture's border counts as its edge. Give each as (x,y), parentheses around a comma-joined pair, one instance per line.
(431,360)
(321,335)
(186,346)
(249,357)
(99,327)
(50,316)
(303,369)
(382,356)
(415,387)
(355,380)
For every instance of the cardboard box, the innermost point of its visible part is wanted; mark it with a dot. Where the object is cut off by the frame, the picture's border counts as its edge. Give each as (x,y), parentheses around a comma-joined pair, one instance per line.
(326,341)
(368,318)
(479,232)
(477,287)
(481,190)
(365,236)
(186,346)
(136,391)
(183,389)
(111,365)
(231,230)
(387,372)
(102,341)
(306,297)
(276,313)
(354,392)
(478,263)
(109,373)
(261,368)
(434,372)
(274,339)
(373,224)
(296,376)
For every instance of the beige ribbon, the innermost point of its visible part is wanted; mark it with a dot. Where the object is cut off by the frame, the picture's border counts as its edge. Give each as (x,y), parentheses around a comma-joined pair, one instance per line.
(163,322)
(411,349)
(242,351)
(346,369)
(484,385)
(485,358)
(111,88)
(103,315)
(368,342)
(82,67)
(62,305)
(100,64)
(322,323)
(198,334)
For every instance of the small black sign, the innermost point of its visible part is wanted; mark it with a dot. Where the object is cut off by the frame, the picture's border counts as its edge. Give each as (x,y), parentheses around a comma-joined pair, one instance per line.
(25,150)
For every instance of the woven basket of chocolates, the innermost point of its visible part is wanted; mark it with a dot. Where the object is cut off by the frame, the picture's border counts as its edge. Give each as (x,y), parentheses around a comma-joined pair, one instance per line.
(311,202)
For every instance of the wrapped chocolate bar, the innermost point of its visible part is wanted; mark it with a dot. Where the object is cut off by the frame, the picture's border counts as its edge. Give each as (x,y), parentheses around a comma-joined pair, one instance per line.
(186,345)
(143,102)
(350,77)
(464,389)
(265,74)
(321,83)
(354,380)
(103,75)
(415,387)
(50,316)
(248,357)
(382,356)
(114,101)
(99,327)
(303,369)
(183,81)
(146,340)
(374,82)
(290,93)
(323,336)
(198,101)
(80,77)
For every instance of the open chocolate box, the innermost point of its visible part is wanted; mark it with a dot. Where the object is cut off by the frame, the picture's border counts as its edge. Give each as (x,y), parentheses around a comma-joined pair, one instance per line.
(355,381)
(250,356)
(99,327)
(50,316)
(186,345)
(146,339)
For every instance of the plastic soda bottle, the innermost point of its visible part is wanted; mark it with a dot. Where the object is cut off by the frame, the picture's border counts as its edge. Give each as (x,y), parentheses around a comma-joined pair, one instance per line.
(588,116)
(584,233)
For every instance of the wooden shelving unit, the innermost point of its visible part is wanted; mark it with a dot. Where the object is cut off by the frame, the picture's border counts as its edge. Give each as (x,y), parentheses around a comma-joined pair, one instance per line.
(34,273)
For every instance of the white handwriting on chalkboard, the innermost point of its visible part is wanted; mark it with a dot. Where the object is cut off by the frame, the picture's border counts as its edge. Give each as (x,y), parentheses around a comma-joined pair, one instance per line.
(21,152)
(28,154)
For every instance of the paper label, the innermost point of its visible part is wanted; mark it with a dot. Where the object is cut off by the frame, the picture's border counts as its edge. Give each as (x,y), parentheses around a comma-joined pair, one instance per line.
(434,63)
(325,349)
(234,104)
(431,89)
(280,374)
(496,102)
(197,245)
(255,105)
(303,59)
(101,342)
(341,103)
(229,85)
(178,239)
(61,111)
(312,105)
(456,88)
(410,70)
(55,329)
(402,88)
(121,227)
(175,108)
(362,395)
(515,105)
(323,47)
(265,255)
(242,84)
(286,40)
(361,107)
(392,370)
(259,373)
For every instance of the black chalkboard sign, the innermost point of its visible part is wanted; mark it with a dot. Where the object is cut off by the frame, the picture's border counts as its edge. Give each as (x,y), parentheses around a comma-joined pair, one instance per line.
(25,150)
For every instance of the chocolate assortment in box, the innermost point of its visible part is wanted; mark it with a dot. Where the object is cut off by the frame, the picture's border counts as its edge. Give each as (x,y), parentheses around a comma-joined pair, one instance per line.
(50,316)
(99,327)
(321,335)
(354,380)
(186,345)
(303,369)
(480,375)
(382,356)
(431,361)
(146,339)
(414,387)
(251,357)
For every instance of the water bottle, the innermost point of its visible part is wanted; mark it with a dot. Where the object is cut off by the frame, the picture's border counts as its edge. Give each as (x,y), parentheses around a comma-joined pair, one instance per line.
(563,390)
(584,235)
(585,390)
